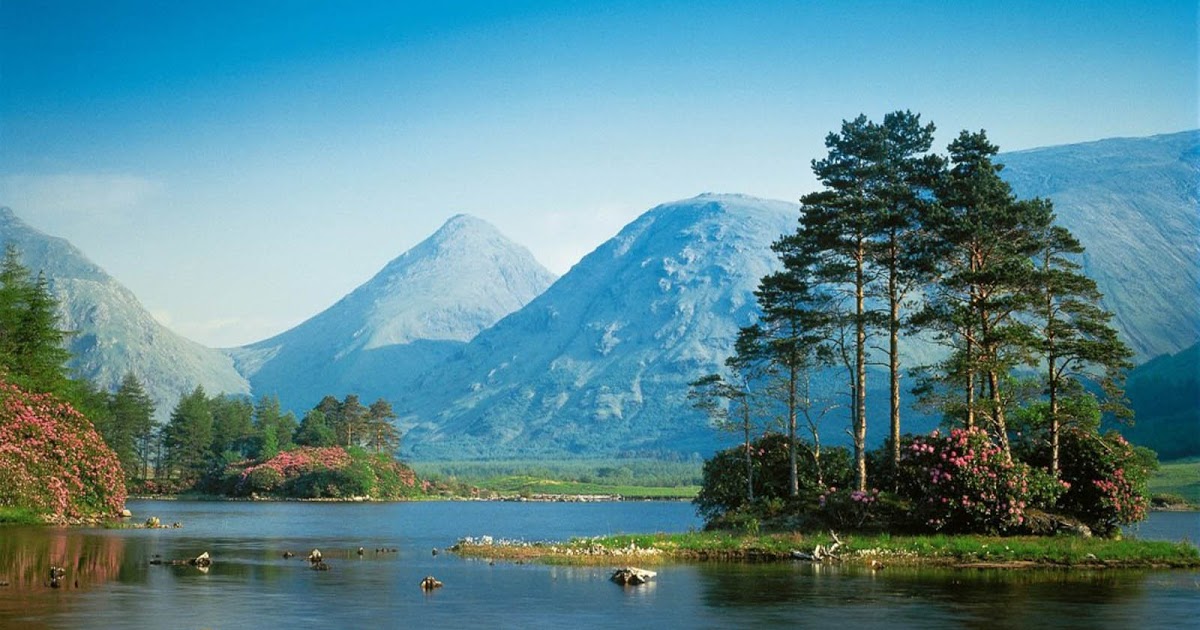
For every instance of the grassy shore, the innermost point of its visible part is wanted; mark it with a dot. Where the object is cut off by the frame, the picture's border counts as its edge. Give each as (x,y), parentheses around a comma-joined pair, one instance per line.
(1179,478)
(867,549)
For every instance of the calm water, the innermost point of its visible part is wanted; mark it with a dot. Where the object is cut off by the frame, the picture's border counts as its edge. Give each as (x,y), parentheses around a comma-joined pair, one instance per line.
(110,582)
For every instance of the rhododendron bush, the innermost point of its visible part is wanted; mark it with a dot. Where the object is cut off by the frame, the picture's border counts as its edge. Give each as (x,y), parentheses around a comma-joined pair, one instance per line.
(1106,479)
(321,472)
(961,482)
(52,460)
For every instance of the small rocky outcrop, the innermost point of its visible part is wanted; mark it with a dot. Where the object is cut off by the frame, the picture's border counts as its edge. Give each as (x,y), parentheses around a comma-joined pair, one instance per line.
(57,574)
(632,576)
(430,583)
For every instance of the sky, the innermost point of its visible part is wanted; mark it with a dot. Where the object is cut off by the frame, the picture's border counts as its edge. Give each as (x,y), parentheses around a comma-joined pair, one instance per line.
(243,165)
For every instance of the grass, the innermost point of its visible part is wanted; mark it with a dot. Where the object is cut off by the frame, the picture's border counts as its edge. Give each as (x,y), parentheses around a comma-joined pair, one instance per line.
(629,478)
(1179,478)
(20,516)
(525,485)
(870,549)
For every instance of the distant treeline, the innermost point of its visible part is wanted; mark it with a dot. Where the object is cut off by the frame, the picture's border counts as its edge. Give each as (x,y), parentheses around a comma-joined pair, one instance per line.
(635,472)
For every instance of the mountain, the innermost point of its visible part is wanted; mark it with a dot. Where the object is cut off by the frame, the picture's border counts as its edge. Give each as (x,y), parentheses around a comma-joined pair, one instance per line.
(114,333)
(1164,394)
(418,309)
(600,362)
(1135,205)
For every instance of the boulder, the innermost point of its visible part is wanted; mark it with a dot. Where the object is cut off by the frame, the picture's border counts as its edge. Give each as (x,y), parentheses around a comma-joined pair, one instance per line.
(202,561)
(430,583)
(632,576)
(314,556)
(125,513)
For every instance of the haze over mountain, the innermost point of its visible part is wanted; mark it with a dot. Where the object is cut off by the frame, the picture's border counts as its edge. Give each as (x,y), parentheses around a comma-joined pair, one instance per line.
(418,308)
(112,332)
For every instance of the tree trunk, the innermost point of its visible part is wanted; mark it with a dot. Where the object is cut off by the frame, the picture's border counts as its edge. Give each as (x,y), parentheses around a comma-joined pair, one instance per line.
(860,366)
(998,413)
(894,367)
(793,476)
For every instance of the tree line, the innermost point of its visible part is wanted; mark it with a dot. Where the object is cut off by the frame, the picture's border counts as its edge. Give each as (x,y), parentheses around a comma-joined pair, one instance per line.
(902,244)
(204,432)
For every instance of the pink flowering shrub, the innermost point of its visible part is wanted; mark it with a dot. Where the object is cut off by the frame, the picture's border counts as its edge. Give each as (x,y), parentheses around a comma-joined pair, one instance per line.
(1106,478)
(52,460)
(961,482)
(844,508)
(325,472)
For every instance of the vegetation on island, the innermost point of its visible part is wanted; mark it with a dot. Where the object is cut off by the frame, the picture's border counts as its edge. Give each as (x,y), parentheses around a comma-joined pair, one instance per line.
(904,247)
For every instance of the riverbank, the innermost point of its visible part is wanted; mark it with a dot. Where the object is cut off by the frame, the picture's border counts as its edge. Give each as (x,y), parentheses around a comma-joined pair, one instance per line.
(875,550)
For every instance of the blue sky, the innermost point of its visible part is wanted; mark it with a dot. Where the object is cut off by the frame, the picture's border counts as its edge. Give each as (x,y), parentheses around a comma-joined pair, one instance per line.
(242,165)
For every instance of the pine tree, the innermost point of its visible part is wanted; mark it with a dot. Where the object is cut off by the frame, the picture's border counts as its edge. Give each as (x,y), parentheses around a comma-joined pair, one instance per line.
(188,436)
(132,423)
(986,279)
(31,344)
(383,437)
(1077,339)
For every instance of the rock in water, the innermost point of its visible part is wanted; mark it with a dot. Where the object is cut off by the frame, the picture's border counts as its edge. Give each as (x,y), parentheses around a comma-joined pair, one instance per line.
(314,556)
(632,576)
(430,583)
(202,561)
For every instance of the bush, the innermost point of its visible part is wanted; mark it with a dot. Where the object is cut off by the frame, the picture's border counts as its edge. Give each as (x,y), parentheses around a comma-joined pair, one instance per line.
(723,488)
(52,460)
(960,482)
(1107,480)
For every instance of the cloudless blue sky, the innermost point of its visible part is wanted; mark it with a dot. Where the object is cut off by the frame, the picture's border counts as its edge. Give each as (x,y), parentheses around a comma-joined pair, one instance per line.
(242,165)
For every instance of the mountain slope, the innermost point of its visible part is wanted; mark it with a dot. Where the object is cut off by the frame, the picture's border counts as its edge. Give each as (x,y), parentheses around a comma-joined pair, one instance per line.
(417,309)
(114,333)
(1164,394)
(600,362)
(1135,205)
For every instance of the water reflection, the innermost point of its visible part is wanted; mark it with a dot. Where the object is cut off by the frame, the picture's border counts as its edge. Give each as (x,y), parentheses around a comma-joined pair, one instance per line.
(28,553)
(251,582)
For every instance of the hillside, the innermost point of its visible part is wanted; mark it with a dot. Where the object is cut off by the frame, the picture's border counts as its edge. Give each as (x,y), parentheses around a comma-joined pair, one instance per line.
(419,308)
(112,332)
(600,362)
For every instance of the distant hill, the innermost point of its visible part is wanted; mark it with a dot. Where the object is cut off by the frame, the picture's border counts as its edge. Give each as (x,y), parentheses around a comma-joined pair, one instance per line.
(1165,396)
(418,309)
(1135,205)
(113,332)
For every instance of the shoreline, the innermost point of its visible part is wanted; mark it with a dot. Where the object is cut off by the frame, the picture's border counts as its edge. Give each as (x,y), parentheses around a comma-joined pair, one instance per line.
(867,550)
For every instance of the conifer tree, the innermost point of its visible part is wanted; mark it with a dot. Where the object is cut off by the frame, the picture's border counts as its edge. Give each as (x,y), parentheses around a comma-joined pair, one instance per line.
(986,281)
(188,435)
(132,423)
(1077,340)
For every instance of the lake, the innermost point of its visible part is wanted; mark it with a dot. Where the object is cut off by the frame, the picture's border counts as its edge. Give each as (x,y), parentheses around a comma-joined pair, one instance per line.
(111,583)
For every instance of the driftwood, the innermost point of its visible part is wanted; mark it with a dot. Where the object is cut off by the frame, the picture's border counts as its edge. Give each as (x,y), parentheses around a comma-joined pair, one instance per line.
(821,553)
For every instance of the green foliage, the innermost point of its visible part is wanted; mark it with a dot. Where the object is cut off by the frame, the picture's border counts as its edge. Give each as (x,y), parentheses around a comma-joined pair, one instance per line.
(315,431)
(1107,478)
(962,482)
(31,344)
(188,436)
(724,478)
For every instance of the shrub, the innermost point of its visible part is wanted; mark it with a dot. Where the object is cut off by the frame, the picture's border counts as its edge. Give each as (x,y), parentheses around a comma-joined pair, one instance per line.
(52,460)
(723,488)
(1107,480)
(961,482)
